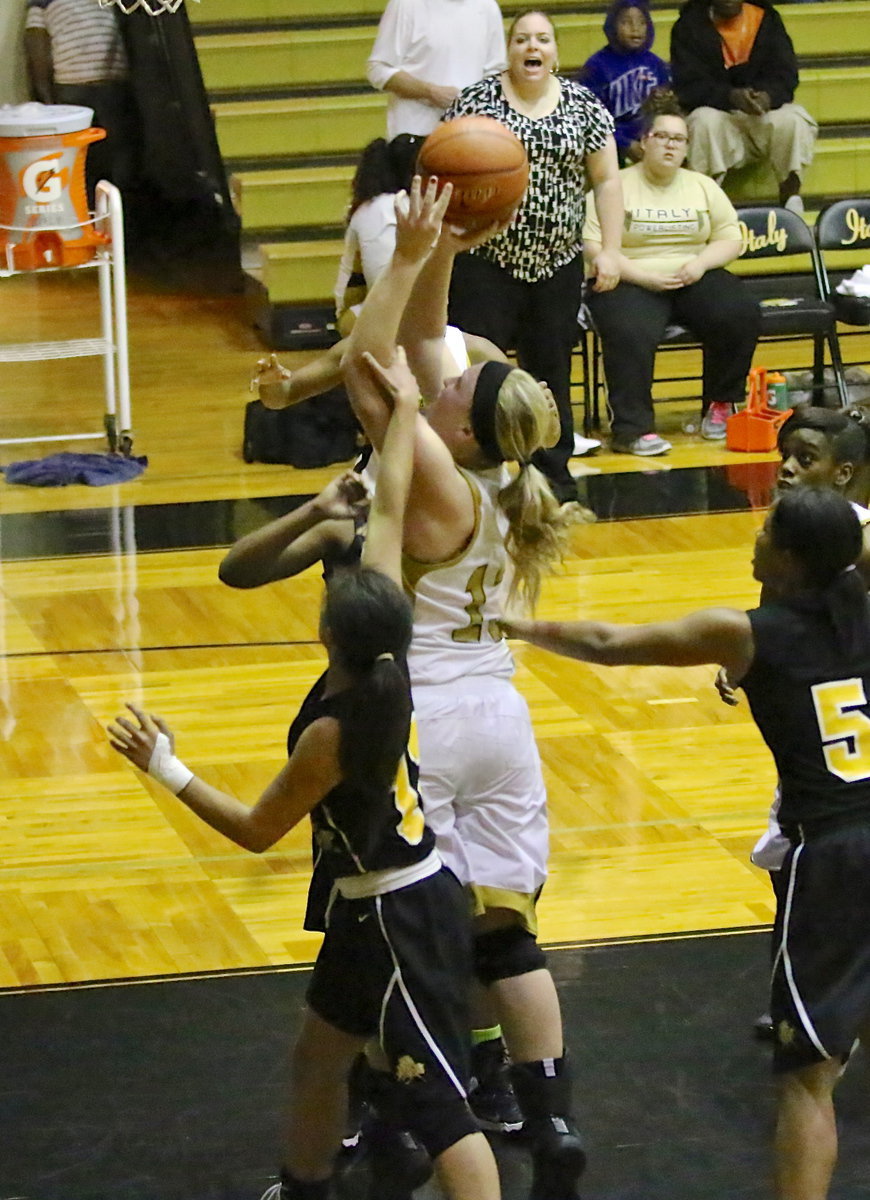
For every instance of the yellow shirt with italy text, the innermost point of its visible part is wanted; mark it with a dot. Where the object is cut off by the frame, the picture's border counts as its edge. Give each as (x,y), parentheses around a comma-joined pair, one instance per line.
(664,227)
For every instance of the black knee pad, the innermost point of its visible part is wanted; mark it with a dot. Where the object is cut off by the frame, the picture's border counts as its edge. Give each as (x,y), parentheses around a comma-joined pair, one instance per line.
(441,1124)
(506,953)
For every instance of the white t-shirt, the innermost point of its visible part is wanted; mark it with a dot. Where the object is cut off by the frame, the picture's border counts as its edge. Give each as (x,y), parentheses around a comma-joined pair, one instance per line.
(664,227)
(86,42)
(369,241)
(448,42)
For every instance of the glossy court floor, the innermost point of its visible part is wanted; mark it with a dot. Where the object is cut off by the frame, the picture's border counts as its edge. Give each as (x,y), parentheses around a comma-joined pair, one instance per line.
(152,973)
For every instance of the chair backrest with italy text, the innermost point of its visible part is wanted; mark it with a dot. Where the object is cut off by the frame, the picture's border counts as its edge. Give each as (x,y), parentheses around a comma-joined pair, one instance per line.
(794,302)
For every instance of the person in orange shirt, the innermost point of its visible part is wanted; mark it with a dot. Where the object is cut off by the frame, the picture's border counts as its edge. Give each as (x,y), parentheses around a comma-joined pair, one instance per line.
(735,73)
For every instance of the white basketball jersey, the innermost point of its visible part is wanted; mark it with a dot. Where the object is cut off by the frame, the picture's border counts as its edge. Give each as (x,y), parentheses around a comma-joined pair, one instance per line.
(457,603)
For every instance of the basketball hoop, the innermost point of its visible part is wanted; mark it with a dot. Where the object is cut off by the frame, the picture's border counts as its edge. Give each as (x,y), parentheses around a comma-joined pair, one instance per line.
(152,7)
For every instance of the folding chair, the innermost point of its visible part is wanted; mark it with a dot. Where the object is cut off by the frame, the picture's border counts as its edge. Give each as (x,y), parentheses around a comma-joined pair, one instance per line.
(793,301)
(842,235)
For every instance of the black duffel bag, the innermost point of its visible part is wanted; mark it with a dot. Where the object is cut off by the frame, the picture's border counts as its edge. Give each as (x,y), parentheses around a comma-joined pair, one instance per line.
(313,433)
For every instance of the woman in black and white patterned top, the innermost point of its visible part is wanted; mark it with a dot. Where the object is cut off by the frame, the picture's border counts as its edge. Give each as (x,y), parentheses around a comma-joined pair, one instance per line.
(522,288)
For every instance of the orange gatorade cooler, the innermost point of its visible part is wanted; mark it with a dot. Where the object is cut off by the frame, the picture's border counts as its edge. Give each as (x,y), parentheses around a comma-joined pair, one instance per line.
(755,427)
(44,217)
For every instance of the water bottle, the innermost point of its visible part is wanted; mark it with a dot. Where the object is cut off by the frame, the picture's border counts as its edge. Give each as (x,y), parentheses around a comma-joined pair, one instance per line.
(777,391)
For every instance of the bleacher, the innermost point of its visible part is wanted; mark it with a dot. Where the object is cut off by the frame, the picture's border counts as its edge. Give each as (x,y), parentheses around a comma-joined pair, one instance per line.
(292,110)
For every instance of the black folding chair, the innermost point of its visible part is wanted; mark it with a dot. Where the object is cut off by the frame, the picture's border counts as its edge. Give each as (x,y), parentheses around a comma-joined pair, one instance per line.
(842,236)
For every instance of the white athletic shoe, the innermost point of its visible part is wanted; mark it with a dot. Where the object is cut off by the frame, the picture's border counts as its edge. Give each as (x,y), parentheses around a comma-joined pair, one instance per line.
(585,445)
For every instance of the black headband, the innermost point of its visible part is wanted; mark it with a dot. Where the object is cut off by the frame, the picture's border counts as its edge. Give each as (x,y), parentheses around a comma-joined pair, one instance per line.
(483,406)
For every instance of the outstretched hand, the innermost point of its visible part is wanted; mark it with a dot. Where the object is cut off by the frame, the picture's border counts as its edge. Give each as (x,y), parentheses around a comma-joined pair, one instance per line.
(344,497)
(419,213)
(396,380)
(137,742)
(271,382)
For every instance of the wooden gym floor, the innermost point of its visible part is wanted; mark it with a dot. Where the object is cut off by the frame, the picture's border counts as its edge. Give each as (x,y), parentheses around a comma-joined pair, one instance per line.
(657,790)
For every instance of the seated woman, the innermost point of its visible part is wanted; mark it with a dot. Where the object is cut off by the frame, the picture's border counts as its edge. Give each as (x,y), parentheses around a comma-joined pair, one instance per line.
(680,231)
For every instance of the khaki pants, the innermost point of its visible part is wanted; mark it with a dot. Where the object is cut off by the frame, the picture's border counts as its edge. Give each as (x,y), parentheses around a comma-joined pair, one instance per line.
(784,137)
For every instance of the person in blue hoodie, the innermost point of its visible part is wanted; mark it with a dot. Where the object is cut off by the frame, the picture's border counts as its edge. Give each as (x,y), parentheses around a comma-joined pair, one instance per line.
(624,73)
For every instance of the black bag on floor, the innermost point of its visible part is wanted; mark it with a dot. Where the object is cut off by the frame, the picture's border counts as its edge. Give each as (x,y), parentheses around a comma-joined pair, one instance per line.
(313,433)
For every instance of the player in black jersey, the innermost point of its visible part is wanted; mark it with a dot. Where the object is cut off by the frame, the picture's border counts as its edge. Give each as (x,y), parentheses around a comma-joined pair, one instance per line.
(396,959)
(803,659)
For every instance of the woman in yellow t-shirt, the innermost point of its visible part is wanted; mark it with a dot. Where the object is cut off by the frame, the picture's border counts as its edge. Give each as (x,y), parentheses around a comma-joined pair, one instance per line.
(680,231)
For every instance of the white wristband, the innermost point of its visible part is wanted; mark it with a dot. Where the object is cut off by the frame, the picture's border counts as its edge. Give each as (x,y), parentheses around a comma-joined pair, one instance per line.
(166,768)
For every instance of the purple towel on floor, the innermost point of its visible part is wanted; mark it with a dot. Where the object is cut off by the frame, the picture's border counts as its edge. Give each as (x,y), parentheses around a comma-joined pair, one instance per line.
(57,470)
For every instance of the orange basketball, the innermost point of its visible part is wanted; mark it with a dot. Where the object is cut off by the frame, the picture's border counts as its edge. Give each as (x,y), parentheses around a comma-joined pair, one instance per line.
(484,161)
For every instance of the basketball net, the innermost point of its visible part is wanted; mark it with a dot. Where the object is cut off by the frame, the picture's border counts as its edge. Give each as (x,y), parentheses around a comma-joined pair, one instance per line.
(152,7)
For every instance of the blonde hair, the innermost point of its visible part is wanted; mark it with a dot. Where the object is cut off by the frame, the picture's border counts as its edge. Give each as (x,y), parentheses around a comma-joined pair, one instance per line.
(526,421)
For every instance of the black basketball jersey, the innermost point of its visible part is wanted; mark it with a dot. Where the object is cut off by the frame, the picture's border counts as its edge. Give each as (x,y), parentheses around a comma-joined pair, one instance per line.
(358,830)
(810,699)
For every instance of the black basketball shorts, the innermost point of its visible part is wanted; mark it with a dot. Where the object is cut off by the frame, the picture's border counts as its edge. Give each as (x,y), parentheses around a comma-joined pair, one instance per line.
(820,987)
(397,967)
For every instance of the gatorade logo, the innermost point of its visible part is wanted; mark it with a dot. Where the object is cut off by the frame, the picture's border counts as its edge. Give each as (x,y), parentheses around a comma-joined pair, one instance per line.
(44,181)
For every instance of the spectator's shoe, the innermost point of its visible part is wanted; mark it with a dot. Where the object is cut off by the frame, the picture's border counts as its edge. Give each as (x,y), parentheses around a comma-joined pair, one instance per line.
(762,1027)
(558,1160)
(714,421)
(648,446)
(491,1096)
(584,446)
(795,204)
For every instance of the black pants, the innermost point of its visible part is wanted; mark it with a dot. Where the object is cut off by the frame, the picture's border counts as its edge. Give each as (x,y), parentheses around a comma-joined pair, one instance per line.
(631,322)
(538,321)
(115,158)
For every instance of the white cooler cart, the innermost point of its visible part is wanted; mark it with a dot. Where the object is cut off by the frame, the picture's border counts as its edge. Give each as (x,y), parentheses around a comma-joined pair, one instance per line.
(42,228)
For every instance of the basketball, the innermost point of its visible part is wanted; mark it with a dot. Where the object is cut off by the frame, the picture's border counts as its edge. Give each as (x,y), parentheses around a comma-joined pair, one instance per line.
(486,164)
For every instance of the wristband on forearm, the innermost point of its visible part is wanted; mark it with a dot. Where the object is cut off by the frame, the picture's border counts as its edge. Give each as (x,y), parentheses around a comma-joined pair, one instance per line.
(166,768)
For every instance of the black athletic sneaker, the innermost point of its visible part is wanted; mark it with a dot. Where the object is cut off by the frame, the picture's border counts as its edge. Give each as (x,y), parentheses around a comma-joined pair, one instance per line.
(491,1096)
(558,1160)
(397,1161)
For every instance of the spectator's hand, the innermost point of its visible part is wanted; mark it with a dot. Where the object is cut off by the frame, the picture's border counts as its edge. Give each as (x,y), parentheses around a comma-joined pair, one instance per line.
(691,272)
(605,269)
(727,694)
(343,498)
(271,381)
(742,99)
(441,97)
(397,380)
(658,281)
(761,99)
(419,213)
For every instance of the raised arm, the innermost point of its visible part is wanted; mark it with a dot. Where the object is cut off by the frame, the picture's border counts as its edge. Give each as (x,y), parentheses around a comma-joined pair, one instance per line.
(424,320)
(383,544)
(711,635)
(418,223)
(290,544)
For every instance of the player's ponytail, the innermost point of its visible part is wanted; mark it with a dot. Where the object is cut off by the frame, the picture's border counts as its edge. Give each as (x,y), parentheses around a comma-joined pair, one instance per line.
(821,530)
(369,621)
(525,419)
